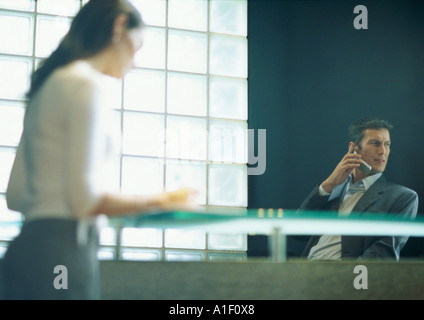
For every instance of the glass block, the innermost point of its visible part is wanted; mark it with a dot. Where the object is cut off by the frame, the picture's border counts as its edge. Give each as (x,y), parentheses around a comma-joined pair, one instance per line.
(140,255)
(221,241)
(152,11)
(141,237)
(227,185)
(213,256)
(107,237)
(152,54)
(104,254)
(24,5)
(16,33)
(188,14)
(187,239)
(8,233)
(11,123)
(14,77)
(187,94)
(142,175)
(50,31)
(187,51)
(62,7)
(228,98)
(184,255)
(228,141)
(180,174)
(3,249)
(145,90)
(186,138)
(229,16)
(7,215)
(143,134)
(228,56)
(6,163)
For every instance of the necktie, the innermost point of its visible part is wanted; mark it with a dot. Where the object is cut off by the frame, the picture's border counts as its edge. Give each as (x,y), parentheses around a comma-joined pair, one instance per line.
(352,196)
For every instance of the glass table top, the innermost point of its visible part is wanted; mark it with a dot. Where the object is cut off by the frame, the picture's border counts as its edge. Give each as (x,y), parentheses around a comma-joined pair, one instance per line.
(266,221)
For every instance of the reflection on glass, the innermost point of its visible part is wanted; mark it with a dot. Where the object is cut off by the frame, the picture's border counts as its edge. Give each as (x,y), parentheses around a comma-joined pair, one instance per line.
(187,94)
(50,31)
(188,14)
(229,16)
(11,123)
(187,51)
(180,174)
(152,55)
(143,134)
(228,98)
(227,185)
(14,77)
(228,56)
(145,90)
(16,33)
(228,141)
(186,138)
(142,176)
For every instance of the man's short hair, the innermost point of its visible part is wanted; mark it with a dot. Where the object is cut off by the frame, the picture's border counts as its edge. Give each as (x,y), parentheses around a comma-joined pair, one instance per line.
(357,128)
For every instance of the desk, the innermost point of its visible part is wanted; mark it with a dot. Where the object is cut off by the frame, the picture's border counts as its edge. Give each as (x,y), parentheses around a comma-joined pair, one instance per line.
(277,224)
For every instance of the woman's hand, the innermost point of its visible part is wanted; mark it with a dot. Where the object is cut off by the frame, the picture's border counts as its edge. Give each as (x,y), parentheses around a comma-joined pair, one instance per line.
(181,199)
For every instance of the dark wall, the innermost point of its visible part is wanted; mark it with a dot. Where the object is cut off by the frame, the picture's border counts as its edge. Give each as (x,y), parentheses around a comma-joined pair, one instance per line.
(311,73)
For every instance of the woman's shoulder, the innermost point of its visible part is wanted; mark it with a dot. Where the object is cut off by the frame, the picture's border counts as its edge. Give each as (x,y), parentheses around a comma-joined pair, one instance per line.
(77,71)
(74,81)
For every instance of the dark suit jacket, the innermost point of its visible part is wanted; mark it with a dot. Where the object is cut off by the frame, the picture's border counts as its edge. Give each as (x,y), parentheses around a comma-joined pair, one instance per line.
(381,197)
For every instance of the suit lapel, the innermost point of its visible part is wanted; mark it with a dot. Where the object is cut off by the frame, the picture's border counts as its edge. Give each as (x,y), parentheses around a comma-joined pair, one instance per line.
(371,195)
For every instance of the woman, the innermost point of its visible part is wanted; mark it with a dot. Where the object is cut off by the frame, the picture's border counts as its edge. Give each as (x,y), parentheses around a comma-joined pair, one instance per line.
(56,180)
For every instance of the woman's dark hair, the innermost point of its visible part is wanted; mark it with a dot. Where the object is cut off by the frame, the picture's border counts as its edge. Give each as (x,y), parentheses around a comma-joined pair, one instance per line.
(357,128)
(91,31)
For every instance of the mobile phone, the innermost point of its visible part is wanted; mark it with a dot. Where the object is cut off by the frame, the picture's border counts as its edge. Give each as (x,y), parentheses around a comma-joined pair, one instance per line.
(364,167)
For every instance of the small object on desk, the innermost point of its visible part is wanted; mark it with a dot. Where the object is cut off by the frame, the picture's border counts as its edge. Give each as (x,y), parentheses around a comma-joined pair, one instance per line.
(280,213)
(270,212)
(261,212)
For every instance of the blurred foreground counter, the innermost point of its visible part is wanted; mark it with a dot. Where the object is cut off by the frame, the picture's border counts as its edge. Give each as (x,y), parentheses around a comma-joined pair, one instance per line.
(262,280)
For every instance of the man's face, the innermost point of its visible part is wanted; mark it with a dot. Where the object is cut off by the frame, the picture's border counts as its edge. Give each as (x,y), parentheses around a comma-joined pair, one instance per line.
(375,148)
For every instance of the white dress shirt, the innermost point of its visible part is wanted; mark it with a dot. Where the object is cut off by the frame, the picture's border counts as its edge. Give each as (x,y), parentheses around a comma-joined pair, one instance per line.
(65,146)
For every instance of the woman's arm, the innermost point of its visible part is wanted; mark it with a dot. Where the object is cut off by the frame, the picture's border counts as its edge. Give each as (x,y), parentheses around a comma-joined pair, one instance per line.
(117,204)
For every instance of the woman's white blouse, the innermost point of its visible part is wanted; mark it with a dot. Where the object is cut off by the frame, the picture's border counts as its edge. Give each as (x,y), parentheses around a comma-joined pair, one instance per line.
(65,146)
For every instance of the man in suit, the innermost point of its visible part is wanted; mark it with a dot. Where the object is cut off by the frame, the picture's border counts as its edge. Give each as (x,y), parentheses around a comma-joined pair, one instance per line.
(351,188)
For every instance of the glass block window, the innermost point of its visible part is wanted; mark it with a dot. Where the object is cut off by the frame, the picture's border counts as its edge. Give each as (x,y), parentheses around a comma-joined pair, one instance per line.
(180,114)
